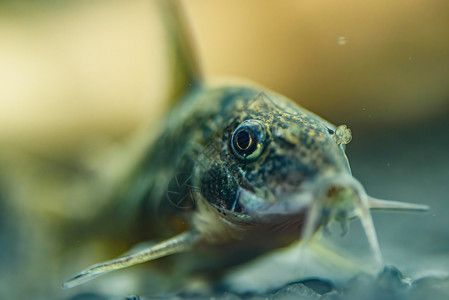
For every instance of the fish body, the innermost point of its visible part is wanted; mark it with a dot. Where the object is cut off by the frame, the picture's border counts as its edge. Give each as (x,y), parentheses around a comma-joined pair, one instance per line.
(239,170)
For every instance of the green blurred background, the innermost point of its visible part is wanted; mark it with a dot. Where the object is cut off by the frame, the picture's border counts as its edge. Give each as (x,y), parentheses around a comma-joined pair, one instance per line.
(79,81)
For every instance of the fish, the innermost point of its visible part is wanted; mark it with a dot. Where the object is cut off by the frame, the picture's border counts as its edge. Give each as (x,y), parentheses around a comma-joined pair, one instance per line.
(240,170)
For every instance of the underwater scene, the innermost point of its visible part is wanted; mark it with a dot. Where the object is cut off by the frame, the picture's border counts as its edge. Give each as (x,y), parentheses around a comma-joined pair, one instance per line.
(174,149)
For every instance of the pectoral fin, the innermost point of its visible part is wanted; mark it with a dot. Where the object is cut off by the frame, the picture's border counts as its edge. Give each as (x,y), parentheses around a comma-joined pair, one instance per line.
(179,243)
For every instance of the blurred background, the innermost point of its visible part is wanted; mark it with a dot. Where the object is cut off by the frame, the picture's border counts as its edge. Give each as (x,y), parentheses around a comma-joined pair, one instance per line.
(81,80)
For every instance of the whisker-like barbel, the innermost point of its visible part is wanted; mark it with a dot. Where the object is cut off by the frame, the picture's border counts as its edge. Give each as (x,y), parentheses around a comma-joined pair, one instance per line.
(381,204)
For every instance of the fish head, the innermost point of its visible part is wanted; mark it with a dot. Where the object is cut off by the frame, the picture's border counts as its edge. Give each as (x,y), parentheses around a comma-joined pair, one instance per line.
(271,156)
(277,165)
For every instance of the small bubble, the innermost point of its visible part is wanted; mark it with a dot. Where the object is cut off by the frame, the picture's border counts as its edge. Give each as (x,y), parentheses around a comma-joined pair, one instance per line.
(342,135)
(388,164)
(341,41)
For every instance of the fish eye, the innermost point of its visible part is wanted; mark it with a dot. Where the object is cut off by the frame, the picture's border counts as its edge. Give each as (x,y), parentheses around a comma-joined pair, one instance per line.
(248,140)
(243,140)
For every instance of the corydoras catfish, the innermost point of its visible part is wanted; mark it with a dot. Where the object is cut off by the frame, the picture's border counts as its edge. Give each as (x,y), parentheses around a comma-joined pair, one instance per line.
(247,171)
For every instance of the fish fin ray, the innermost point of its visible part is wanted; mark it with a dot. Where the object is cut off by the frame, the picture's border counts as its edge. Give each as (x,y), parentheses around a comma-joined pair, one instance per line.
(180,243)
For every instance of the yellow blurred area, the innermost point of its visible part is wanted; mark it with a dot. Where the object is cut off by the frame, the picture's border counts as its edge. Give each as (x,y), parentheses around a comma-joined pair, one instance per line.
(89,70)
(350,61)
(84,72)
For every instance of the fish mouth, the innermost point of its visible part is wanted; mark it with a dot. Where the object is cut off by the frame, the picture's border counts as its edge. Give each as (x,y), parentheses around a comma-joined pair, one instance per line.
(334,197)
